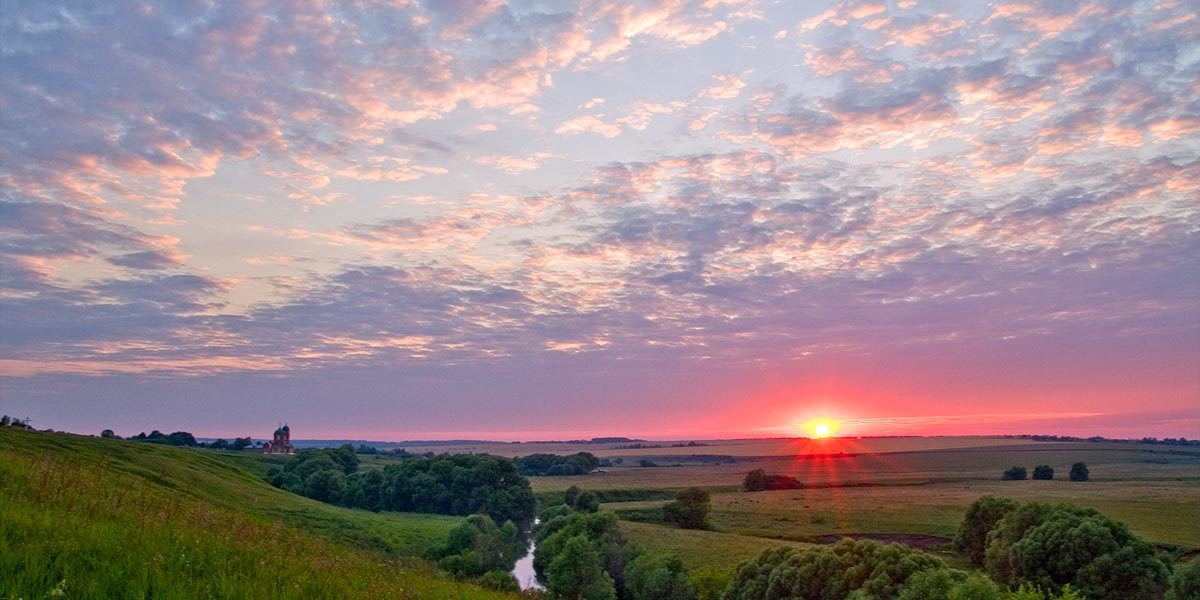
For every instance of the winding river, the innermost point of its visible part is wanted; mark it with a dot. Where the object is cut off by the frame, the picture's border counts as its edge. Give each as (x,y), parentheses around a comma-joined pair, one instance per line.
(523,570)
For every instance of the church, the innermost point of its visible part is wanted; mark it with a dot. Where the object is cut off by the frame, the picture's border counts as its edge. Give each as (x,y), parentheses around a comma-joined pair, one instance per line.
(281,444)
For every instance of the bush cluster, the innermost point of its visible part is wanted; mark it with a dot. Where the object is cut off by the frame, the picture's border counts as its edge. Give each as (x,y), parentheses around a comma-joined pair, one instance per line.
(583,555)
(759,480)
(580,463)
(452,484)
(1052,546)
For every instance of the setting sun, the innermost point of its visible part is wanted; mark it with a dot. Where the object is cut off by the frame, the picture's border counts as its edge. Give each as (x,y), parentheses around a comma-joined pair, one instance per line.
(820,428)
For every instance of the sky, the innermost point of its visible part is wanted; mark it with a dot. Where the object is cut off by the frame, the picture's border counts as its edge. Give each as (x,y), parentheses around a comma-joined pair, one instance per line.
(547,220)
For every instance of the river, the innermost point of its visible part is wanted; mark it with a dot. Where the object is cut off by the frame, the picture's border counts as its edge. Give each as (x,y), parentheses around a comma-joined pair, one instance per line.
(523,570)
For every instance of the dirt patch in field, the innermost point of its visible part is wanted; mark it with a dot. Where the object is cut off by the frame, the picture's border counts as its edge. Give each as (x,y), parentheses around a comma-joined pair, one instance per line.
(912,540)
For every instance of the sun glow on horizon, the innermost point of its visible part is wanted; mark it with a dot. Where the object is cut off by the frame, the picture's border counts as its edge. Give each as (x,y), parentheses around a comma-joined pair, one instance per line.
(820,428)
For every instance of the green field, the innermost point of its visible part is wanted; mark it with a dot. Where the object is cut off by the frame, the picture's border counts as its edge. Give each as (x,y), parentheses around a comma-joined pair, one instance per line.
(892,488)
(85,517)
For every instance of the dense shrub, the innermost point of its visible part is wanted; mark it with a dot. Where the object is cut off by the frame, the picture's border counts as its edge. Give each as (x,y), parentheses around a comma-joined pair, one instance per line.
(759,480)
(1079,472)
(580,463)
(577,573)
(689,510)
(848,569)
(1050,546)
(1185,583)
(654,576)
(982,516)
(458,484)
(1043,472)
(478,546)
(1014,474)
(599,530)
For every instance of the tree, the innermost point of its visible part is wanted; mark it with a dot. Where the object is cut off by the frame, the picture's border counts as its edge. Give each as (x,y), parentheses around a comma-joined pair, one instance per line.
(108,433)
(1079,472)
(982,516)
(577,573)
(858,569)
(1043,472)
(1185,583)
(219,444)
(586,502)
(478,546)
(1014,474)
(325,485)
(1050,546)
(755,481)
(689,510)
(654,576)
(240,443)
(181,438)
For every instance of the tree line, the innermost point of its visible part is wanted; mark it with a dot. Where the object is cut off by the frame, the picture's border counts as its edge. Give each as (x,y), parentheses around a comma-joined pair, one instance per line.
(451,484)
(580,463)
(1079,472)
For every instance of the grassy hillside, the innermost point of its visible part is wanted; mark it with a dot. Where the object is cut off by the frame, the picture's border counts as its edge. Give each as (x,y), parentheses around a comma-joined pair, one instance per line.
(96,518)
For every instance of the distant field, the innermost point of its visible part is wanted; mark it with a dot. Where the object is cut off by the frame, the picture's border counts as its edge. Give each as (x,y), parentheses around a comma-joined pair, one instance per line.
(900,486)
(85,517)
(750,447)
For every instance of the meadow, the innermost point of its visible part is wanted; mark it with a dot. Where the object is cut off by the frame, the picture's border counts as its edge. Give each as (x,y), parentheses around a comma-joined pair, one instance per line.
(914,490)
(86,517)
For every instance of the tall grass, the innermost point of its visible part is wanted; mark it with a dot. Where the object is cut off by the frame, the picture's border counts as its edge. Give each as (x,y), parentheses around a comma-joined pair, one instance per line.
(82,525)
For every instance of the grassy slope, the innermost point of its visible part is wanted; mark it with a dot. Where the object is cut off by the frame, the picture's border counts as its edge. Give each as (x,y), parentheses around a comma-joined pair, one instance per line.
(103,518)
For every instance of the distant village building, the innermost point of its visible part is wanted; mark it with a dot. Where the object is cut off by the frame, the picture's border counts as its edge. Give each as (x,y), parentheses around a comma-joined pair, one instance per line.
(282,444)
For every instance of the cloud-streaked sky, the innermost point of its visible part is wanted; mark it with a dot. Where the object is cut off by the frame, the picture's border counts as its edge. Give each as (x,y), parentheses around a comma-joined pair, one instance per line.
(548,219)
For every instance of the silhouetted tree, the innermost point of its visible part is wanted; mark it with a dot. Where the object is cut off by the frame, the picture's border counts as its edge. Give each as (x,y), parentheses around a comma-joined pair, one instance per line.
(1014,474)
(1079,472)
(108,433)
(240,443)
(1043,472)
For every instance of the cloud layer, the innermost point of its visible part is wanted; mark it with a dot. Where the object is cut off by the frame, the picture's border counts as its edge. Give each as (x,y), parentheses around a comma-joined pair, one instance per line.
(859,203)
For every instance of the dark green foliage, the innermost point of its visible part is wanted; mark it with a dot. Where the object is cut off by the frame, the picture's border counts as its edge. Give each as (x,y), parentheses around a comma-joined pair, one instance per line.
(949,584)
(7,421)
(982,516)
(1043,472)
(849,569)
(178,438)
(1015,474)
(1050,546)
(653,576)
(219,444)
(580,463)
(586,502)
(326,486)
(241,443)
(478,546)
(457,484)
(576,573)
(1079,472)
(107,433)
(501,581)
(1185,583)
(602,532)
(759,480)
(689,510)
